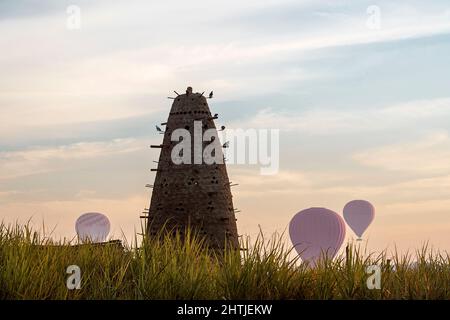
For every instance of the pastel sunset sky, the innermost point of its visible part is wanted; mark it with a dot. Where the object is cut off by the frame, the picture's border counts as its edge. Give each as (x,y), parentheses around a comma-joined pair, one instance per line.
(363,112)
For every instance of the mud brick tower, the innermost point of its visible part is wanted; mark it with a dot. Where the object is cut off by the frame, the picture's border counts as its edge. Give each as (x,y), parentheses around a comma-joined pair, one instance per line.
(194,195)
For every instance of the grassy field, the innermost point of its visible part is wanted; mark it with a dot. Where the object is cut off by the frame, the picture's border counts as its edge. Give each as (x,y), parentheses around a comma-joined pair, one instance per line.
(32,267)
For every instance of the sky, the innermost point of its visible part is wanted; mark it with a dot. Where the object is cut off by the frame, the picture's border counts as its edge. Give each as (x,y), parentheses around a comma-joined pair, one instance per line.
(362,105)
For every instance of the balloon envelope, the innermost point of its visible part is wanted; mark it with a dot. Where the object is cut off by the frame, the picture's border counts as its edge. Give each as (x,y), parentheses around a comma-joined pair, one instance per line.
(316,232)
(359,214)
(92,227)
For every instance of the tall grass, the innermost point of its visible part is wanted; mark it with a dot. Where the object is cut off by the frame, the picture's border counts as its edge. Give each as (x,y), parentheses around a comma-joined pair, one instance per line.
(34,267)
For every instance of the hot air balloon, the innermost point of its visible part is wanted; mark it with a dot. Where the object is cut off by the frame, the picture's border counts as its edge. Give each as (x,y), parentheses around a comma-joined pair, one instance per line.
(359,214)
(92,227)
(317,232)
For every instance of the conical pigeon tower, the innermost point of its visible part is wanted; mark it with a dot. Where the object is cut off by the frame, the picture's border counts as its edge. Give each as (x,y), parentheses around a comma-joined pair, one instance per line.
(197,195)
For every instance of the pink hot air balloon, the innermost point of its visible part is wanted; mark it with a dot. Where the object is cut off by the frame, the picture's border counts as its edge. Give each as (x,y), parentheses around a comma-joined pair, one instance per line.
(92,227)
(316,232)
(359,214)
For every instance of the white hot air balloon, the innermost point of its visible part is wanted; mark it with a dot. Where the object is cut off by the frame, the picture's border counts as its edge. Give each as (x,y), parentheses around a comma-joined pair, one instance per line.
(92,227)
(316,232)
(359,214)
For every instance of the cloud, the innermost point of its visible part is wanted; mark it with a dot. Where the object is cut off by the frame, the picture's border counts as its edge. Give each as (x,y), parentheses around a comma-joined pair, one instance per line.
(330,121)
(22,163)
(431,155)
(124,51)
(7,194)
(251,183)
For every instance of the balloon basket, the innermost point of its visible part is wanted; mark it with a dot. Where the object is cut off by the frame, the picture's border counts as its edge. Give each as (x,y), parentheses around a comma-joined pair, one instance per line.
(359,239)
